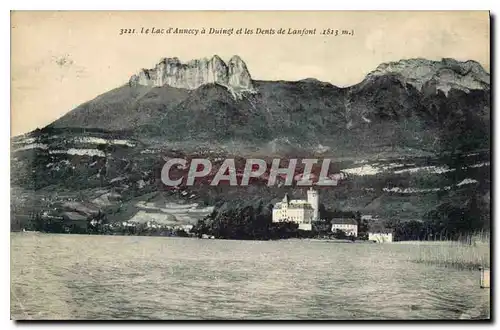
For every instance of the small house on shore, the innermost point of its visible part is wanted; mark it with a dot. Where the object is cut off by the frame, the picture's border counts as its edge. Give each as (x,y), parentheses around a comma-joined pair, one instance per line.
(378,233)
(348,225)
(380,237)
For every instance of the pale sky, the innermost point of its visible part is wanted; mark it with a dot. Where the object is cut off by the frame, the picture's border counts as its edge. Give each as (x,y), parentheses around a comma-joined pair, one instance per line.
(62,59)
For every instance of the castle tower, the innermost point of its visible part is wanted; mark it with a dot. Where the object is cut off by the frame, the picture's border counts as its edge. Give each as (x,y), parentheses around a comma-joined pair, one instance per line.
(313,199)
(286,199)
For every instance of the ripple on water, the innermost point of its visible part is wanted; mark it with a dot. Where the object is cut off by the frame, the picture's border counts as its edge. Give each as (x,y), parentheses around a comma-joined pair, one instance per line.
(110,277)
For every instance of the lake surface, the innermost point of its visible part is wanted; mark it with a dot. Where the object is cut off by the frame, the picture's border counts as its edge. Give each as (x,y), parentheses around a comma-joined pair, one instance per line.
(128,277)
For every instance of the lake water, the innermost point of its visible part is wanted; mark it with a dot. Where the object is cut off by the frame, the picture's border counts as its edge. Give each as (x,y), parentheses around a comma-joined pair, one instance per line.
(128,277)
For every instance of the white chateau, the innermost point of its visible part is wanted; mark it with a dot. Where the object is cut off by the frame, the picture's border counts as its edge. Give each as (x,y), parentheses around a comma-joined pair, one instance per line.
(300,211)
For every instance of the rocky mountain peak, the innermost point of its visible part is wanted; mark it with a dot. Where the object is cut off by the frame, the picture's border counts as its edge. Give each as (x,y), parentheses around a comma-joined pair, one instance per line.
(238,73)
(443,75)
(172,72)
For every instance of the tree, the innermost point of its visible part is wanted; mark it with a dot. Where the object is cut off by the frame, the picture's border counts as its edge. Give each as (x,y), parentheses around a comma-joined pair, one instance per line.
(339,234)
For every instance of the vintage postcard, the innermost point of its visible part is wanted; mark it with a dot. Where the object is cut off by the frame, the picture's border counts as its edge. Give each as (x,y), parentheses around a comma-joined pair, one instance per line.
(250,165)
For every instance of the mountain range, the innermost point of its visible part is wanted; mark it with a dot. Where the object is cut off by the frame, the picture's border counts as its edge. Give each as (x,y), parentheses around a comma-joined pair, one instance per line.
(417,103)
(409,135)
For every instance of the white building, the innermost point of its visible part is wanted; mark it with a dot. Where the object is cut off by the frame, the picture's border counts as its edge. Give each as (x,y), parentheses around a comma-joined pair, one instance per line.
(347,225)
(380,237)
(300,211)
(187,228)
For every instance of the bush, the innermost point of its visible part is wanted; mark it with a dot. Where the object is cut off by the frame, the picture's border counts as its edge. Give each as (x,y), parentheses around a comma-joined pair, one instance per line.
(340,234)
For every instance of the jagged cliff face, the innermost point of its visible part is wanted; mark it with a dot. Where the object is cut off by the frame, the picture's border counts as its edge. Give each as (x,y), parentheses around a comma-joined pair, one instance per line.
(193,74)
(439,75)
(238,74)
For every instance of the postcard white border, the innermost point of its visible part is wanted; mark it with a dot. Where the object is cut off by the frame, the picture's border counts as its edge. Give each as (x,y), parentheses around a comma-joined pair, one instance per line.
(189,5)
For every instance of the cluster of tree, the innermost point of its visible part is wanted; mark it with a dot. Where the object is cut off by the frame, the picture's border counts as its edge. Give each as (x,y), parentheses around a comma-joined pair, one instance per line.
(332,214)
(97,225)
(447,222)
(340,234)
(141,230)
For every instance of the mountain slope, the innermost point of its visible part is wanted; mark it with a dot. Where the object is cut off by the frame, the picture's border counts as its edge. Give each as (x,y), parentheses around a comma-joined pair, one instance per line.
(123,108)
(417,104)
(412,137)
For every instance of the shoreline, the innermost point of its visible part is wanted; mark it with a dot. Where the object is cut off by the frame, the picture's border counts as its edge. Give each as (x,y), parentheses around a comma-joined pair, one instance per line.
(333,240)
(205,237)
